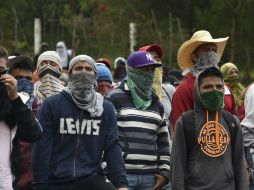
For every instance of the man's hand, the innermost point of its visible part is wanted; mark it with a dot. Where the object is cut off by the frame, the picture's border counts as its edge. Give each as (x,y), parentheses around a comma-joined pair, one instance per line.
(11,86)
(122,189)
(159,183)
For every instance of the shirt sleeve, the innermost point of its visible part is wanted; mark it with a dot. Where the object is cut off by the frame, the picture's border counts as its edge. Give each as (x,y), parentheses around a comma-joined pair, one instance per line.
(178,162)
(29,129)
(248,121)
(183,100)
(163,150)
(239,161)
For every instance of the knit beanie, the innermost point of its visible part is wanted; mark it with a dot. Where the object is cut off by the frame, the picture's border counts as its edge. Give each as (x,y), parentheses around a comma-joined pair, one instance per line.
(50,56)
(104,73)
(85,58)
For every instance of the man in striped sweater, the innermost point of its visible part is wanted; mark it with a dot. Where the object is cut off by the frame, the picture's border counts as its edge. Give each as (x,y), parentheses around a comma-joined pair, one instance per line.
(142,129)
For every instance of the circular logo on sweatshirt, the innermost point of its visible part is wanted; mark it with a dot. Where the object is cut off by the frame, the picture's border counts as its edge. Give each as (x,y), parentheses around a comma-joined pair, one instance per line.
(213,142)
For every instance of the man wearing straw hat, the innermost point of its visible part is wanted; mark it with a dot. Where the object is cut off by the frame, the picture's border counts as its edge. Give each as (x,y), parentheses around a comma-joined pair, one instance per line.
(198,53)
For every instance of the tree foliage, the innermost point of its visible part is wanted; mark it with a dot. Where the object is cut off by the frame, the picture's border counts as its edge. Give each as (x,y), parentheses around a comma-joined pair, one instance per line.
(101,27)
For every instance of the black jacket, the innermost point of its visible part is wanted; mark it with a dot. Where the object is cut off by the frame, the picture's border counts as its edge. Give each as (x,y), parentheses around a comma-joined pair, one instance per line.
(23,121)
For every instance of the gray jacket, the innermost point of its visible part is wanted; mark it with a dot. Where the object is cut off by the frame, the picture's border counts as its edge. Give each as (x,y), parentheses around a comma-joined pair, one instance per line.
(208,166)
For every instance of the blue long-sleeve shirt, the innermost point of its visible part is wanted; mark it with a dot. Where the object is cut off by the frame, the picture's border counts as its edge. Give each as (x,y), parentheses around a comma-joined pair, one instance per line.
(72,144)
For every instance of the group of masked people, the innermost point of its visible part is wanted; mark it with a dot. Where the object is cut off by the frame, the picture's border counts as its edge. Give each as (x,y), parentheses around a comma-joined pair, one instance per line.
(141,133)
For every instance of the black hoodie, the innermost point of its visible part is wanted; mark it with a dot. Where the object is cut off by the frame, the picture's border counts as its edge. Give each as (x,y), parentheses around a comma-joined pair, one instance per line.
(208,166)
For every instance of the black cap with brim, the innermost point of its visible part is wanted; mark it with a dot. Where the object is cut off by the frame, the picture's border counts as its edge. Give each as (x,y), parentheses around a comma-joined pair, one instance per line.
(21,62)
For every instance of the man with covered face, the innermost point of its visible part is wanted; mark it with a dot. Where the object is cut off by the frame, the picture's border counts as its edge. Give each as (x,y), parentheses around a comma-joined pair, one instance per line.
(143,132)
(17,123)
(207,148)
(49,70)
(79,129)
(198,53)
(21,68)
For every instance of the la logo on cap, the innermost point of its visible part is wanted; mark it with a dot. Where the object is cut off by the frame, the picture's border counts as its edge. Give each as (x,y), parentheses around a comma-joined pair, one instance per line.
(149,57)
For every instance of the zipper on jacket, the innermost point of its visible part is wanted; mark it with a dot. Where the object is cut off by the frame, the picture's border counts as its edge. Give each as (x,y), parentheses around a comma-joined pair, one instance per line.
(76,152)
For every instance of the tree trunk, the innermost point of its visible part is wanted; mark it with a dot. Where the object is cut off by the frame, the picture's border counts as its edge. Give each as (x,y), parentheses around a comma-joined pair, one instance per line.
(235,15)
(179,29)
(156,26)
(74,37)
(170,58)
(191,17)
(233,37)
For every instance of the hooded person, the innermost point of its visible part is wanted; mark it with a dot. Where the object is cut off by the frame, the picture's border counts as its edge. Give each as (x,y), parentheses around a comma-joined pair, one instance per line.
(79,131)
(119,61)
(207,148)
(198,53)
(143,132)
(49,69)
(63,53)
(119,73)
(232,79)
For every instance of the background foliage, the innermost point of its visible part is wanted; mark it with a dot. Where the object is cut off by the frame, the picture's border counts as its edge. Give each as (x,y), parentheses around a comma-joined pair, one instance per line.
(101,27)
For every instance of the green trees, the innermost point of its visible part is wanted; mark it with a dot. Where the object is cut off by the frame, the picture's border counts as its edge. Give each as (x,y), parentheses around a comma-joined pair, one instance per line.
(101,27)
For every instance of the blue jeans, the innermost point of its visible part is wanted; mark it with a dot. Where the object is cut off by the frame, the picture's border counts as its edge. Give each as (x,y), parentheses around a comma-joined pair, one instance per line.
(143,182)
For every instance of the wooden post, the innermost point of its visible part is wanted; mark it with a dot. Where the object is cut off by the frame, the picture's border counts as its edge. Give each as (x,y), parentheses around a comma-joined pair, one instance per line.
(156,26)
(133,34)
(37,35)
(170,40)
(180,29)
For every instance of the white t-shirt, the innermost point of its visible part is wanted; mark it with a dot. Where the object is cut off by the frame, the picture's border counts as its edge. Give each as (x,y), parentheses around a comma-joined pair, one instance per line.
(5,161)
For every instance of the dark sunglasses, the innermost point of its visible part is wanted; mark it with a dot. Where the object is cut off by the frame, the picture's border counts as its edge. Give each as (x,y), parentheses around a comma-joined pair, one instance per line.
(22,77)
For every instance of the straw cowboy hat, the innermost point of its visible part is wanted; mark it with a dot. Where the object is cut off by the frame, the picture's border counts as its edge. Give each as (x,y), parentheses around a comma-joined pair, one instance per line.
(198,38)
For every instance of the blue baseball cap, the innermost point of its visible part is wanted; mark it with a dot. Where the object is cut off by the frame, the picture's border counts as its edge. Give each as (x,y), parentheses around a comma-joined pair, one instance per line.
(141,59)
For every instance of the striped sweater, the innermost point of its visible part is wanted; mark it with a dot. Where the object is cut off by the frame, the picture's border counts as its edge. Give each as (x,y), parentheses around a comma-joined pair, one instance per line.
(143,135)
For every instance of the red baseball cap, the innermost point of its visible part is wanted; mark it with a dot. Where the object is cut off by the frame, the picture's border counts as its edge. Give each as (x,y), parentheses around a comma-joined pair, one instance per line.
(104,60)
(153,47)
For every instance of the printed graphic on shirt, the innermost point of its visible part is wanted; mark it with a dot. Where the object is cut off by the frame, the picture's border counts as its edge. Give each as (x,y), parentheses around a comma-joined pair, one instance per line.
(207,139)
(71,126)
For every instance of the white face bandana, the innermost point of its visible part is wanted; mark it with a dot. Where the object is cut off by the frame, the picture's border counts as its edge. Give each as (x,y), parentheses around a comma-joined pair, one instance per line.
(49,83)
(205,60)
(82,90)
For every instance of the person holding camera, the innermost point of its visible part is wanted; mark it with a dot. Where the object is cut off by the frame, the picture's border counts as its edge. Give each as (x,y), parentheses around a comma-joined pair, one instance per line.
(17,122)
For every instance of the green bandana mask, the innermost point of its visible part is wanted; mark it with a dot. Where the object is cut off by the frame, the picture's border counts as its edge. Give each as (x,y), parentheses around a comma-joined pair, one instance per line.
(140,85)
(213,100)
(236,88)
(232,80)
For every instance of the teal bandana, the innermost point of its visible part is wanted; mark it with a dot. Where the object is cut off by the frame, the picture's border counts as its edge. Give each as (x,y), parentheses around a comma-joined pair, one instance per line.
(140,85)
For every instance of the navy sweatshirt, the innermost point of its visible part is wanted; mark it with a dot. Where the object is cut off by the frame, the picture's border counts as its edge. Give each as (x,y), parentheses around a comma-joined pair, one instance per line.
(72,144)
